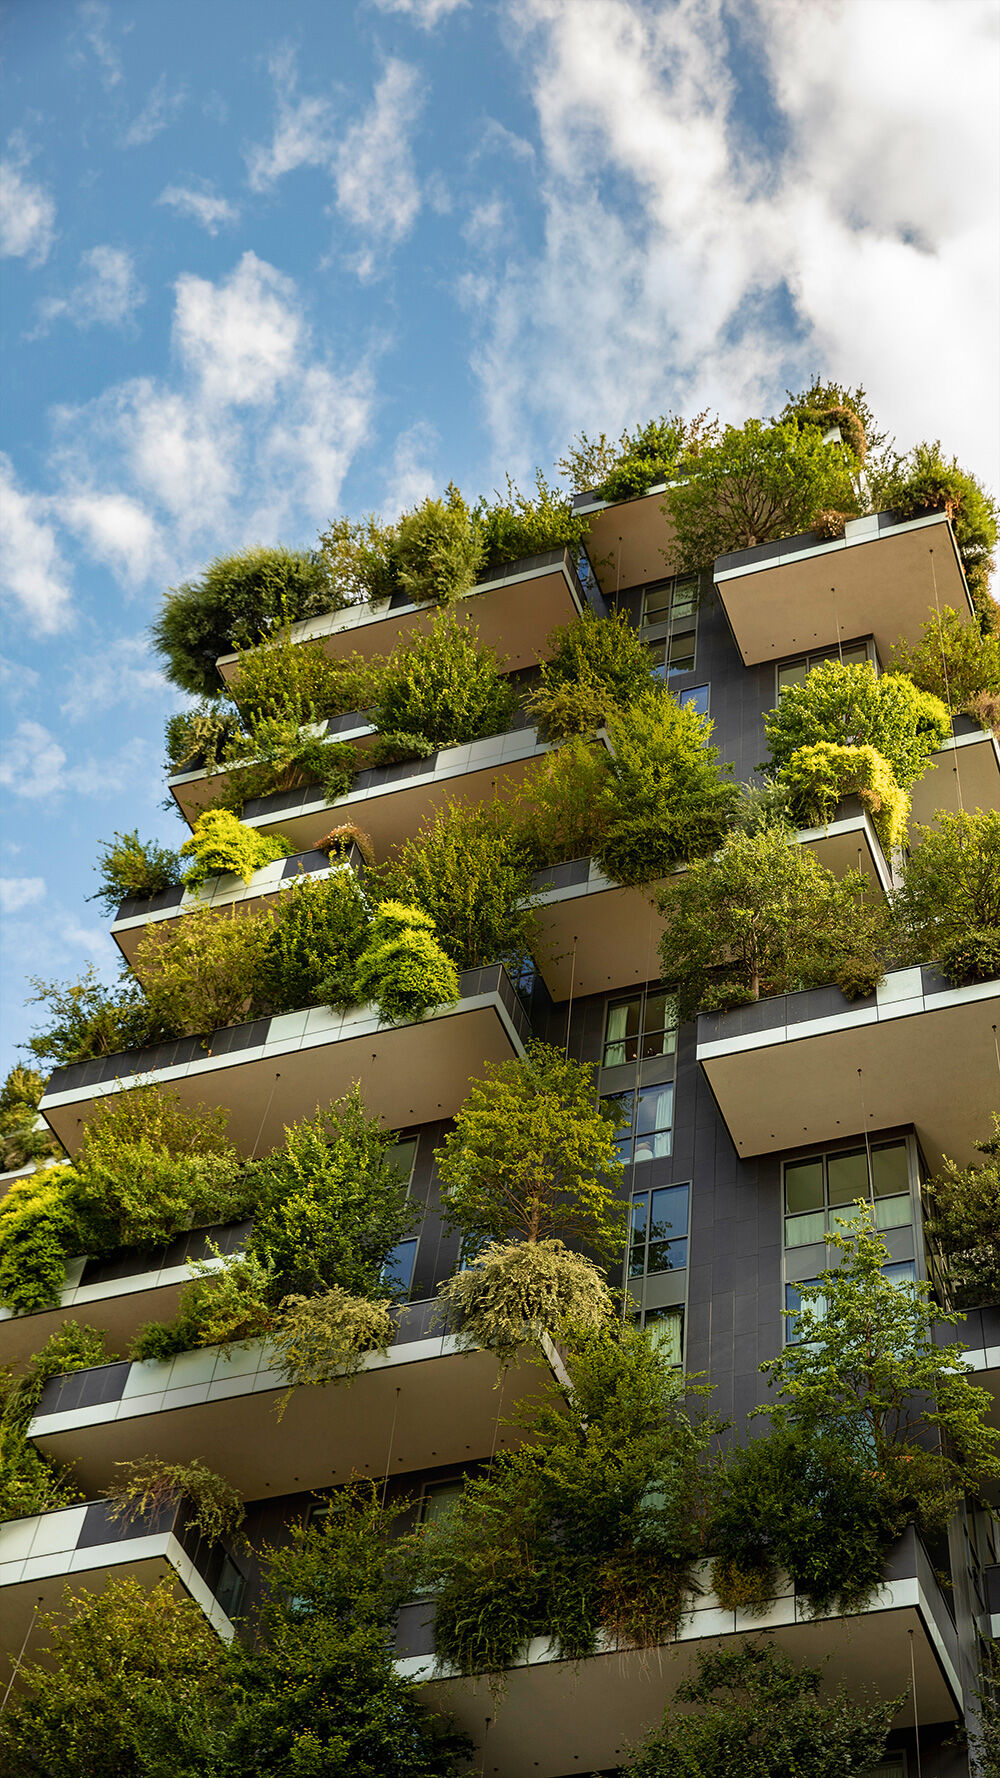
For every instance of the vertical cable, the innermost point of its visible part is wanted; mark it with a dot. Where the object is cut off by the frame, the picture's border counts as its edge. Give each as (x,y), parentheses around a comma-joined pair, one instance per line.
(916,1723)
(20,1657)
(572,985)
(868,1146)
(836,620)
(392,1436)
(944,669)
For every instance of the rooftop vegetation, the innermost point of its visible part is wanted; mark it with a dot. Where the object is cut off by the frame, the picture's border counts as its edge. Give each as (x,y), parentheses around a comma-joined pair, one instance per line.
(236,601)
(963,1225)
(29,1482)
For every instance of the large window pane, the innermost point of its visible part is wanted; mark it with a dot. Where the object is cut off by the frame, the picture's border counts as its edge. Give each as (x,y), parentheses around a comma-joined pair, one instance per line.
(398,1268)
(847,1177)
(697,697)
(666,1327)
(402,1156)
(802,1231)
(669,1212)
(804,1186)
(656,603)
(893,1213)
(890,1171)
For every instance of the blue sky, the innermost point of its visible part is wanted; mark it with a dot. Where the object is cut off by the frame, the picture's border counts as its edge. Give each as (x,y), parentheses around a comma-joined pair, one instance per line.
(263,264)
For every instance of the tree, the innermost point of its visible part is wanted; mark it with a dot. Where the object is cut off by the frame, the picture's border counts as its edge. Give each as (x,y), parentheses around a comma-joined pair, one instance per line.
(595,665)
(632,464)
(664,799)
(204,972)
(237,600)
(532,1154)
(857,707)
(130,866)
(948,905)
(29,1482)
(763,917)
(926,481)
(220,844)
(21,1140)
(964,1225)
(515,525)
(758,1714)
(319,930)
(442,689)
(88,1019)
(436,552)
(955,662)
(470,870)
(512,1291)
(754,483)
(826,405)
(403,969)
(865,1363)
(561,809)
(316,1693)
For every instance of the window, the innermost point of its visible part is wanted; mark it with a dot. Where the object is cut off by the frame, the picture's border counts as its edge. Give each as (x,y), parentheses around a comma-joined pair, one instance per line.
(697,697)
(666,1328)
(668,600)
(230,1588)
(822,1189)
(649,1117)
(659,1230)
(402,1155)
(639,1028)
(898,1272)
(795,672)
(670,612)
(398,1268)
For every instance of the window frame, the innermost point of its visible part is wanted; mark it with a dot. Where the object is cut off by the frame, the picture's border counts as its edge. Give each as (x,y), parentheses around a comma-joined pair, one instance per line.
(643,1032)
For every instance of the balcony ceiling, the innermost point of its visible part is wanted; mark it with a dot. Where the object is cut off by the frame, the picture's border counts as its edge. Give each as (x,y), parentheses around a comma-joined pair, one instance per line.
(963,775)
(628,543)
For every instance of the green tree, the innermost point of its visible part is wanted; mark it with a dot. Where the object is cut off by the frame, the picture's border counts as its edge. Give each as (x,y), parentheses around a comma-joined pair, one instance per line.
(596,665)
(130,866)
(926,481)
(282,677)
(948,905)
(561,807)
(630,465)
(21,1140)
(436,552)
(754,483)
(513,1291)
(403,969)
(316,1693)
(470,870)
(857,707)
(763,917)
(318,933)
(532,1155)
(442,689)
(825,405)
(237,600)
(955,662)
(220,844)
(204,972)
(964,1225)
(754,1712)
(664,798)
(29,1482)
(514,526)
(134,1686)
(88,1019)
(865,1363)
(330,1206)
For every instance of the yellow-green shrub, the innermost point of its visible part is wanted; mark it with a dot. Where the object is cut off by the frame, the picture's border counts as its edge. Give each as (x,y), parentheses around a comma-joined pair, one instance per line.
(817,777)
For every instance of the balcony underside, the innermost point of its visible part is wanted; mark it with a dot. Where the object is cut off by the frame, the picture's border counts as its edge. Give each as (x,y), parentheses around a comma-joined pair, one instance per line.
(965,774)
(425,1405)
(812,1067)
(514,612)
(872,582)
(269,1074)
(629,542)
(226,894)
(849,842)
(594,935)
(193,792)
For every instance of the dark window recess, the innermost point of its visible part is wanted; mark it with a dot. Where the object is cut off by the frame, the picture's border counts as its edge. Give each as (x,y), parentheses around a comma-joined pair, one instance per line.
(659,1230)
(640,1028)
(648,1116)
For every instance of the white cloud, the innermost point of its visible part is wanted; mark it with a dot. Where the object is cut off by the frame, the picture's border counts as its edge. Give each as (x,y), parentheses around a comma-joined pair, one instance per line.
(32,570)
(16,679)
(202,204)
(121,671)
(35,766)
(19,892)
(27,209)
(241,337)
(303,131)
(375,177)
(411,477)
(118,530)
(486,224)
(107,294)
(95,19)
(427,13)
(160,109)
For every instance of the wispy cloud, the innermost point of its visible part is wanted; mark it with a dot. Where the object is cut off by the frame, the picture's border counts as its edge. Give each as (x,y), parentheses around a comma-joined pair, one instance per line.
(32,570)
(303,133)
(202,204)
(20,892)
(27,208)
(426,13)
(95,22)
(122,671)
(411,476)
(107,294)
(35,766)
(159,111)
(376,179)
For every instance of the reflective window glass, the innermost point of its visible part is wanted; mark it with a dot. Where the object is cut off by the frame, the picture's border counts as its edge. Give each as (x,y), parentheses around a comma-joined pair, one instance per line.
(402,1156)
(398,1268)
(847,1177)
(804,1185)
(890,1170)
(644,1025)
(666,1327)
(893,1213)
(697,697)
(648,1120)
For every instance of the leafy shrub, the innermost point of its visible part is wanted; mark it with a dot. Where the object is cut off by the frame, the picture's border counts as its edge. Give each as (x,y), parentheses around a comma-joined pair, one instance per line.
(561,807)
(857,707)
(37,1229)
(203,972)
(595,665)
(200,738)
(953,661)
(532,1155)
(517,525)
(825,405)
(228,1307)
(318,931)
(817,777)
(130,866)
(237,600)
(220,843)
(763,917)
(359,559)
(29,1482)
(21,1140)
(973,957)
(283,753)
(436,553)
(287,677)
(515,1290)
(91,1020)
(326,1338)
(635,462)
(964,1224)
(665,801)
(949,902)
(925,481)
(150,1485)
(470,870)
(752,484)
(403,969)
(443,689)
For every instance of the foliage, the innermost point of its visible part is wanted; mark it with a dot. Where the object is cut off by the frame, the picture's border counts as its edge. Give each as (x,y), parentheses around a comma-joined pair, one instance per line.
(326,1338)
(591,1523)
(825,405)
(951,892)
(436,552)
(284,677)
(637,460)
(37,1229)
(21,1140)
(964,1224)
(925,481)
(359,559)
(330,1204)
(130,1685)
(316,1692)
(29,1482)
(664,798)
(532,1155)
(149,1485)
(799,1502)
(130,866)
(285,751)
(953,661)
(866,1363)
(763,917)
(220,843)
(203,972)
(88,1019)
(857,707)
(237,600)
(518,525)
(758,1714)
(515,1290)
(561,807)
(225,1307)
(972,956)
(754,483)
(444,688)
(470,870)
(595,665)
(985,1746)
(403,969)
(200,737)
(817,777)
(318,931)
